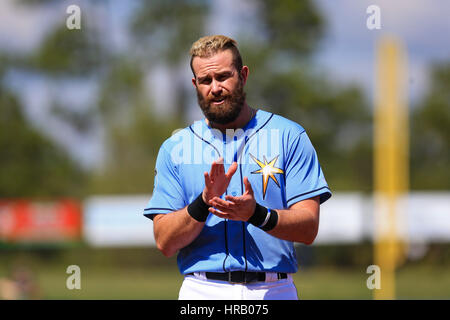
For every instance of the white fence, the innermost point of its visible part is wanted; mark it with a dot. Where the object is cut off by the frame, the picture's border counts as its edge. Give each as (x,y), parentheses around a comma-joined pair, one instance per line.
(345,218)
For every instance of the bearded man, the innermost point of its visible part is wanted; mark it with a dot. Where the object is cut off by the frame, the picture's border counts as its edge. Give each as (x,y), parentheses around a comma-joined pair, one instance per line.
(235,190)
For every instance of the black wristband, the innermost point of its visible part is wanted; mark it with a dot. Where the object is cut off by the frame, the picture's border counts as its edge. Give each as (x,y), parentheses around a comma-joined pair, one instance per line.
(264,218)
(198,209)
(259,215)
(272,221)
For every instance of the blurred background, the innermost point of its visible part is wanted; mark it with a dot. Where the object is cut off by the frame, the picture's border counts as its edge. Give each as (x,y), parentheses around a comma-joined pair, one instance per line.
(84,111)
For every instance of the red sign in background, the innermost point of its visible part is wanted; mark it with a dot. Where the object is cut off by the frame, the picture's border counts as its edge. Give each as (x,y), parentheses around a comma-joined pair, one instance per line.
(25,221)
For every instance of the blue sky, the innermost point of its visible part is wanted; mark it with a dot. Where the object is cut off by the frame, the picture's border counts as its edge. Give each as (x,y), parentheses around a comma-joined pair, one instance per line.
(346,52)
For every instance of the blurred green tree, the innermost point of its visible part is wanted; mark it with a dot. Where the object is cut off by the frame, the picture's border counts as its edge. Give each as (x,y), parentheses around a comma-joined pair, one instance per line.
(430,134)
(293,27)
(32,165)
(134,132)
(161,32)
(65,53)
(164,32)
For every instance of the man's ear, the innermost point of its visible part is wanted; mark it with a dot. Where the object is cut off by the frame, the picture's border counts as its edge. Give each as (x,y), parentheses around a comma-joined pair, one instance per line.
(244,74)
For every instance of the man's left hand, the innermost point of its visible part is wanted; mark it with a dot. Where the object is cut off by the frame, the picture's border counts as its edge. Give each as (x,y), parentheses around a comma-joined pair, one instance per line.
(235,208)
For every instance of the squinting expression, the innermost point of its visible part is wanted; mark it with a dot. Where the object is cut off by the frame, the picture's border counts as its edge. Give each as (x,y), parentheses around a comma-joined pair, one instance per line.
(220,87)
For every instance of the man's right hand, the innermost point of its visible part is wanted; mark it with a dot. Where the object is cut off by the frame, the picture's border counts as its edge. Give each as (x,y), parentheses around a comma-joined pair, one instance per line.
(177,229)
(217,181)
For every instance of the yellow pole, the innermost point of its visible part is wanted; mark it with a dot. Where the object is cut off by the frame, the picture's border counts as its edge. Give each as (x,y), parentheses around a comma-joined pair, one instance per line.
(390,160)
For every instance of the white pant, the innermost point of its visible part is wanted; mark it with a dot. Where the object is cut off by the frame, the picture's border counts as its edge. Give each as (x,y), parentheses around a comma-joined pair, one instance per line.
(197,287)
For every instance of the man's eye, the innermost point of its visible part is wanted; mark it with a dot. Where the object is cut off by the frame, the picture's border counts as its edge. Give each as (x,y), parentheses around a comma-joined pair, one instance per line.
(204,81)
(222,77)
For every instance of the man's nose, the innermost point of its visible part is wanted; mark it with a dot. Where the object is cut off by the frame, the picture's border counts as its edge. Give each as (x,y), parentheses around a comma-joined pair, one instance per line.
(216,88)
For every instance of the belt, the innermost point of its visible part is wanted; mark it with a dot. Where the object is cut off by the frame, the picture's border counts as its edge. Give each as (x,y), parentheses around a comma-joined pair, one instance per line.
(240,276)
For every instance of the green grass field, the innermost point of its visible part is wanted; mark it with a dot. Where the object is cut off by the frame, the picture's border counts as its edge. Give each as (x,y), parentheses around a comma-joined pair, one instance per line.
(164,283)
(104,276)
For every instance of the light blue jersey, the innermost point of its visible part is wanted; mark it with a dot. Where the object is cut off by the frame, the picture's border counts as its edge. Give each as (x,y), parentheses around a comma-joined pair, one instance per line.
(282,166)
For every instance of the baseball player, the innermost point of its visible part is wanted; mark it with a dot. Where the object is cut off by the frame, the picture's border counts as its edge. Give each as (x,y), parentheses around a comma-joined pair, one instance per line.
(235,190)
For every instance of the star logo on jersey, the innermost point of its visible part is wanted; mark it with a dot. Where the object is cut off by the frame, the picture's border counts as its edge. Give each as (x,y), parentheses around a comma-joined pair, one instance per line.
(267,170)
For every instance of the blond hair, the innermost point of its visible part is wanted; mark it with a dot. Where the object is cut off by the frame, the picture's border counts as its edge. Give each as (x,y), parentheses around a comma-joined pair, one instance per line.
(210,45)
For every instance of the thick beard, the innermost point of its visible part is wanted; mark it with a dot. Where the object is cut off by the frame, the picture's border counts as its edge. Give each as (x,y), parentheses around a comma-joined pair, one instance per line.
(228,111)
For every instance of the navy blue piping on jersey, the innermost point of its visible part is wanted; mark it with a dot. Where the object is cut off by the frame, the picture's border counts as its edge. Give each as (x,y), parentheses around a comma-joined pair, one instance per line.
(227,253)
(224,267)
(190,127)
(147,209)
(243,222)
(299,195)
(247,139)
(152,215)
(225,220)
(242,189)
(244,245)
(242,184)
(286,165)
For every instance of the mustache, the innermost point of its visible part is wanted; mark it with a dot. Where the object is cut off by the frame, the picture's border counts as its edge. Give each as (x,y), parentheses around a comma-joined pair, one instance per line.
(217,98)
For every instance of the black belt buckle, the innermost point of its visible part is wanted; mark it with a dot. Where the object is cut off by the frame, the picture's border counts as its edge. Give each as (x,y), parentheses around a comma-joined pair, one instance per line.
(245,277)
(241,276)
(238,277)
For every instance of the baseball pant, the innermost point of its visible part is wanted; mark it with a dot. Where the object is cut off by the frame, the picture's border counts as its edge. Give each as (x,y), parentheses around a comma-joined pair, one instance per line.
(197,287)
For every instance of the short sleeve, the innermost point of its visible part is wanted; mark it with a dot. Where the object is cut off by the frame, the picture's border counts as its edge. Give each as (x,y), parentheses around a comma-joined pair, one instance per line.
(168,193)
(304,176)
